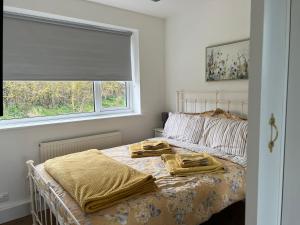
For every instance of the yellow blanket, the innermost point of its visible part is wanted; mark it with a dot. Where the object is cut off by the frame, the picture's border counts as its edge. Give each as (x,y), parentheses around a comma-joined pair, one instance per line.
(137,151)
(175,169)
(97,181)
(194,159)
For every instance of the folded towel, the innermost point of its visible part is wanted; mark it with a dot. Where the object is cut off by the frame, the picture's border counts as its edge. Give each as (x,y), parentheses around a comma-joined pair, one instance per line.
(97,181)
(154,145)
(137,151)
(193,159)
(175,169)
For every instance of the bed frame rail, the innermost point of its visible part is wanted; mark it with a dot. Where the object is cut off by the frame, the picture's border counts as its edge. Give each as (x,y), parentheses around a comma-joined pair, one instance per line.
(46,206)
(200,101)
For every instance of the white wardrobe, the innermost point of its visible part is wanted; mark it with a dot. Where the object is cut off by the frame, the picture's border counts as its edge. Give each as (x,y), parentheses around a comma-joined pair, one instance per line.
(291,184)
(273,173)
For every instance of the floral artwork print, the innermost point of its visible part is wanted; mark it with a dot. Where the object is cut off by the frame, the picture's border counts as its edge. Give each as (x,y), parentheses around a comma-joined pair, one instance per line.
(227,61)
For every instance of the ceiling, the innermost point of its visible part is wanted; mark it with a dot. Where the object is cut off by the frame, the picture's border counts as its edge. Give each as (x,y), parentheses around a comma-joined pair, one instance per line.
(163,8)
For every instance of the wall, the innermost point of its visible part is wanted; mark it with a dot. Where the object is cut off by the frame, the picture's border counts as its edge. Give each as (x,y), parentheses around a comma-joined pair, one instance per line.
(19,145)
(207,22)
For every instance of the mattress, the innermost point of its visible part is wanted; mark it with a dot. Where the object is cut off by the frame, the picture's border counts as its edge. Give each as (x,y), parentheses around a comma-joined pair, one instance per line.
(188,200)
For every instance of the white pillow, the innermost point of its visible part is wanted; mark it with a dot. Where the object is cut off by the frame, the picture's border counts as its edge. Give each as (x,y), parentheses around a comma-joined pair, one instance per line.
(183,127)
(228,136)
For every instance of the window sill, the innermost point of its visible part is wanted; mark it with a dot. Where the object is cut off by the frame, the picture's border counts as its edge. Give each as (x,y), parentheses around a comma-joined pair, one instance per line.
(58,121)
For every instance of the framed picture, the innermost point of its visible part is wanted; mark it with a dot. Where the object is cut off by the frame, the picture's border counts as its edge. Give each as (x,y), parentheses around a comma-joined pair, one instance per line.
(229,61)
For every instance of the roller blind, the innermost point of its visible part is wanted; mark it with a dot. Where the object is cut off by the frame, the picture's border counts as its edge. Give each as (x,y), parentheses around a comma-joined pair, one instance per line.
(1,67)
(42,49)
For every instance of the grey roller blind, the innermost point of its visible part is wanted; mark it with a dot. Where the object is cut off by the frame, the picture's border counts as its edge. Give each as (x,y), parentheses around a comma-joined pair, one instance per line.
(42,49)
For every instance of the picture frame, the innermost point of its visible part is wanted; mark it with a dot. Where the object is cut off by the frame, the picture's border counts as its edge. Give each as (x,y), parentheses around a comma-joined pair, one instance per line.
(228,61)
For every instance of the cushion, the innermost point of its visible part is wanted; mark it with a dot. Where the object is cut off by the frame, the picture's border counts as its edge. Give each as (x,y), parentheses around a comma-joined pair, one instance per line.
(219,113)
(229,136)
(183,127)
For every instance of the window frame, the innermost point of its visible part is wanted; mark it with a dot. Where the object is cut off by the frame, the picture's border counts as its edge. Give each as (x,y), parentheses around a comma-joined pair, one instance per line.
(134,101)
(98,109)
(98,101)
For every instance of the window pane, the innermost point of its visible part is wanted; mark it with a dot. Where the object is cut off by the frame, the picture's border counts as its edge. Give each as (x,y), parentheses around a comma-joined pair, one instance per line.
(26,99)
(113,94)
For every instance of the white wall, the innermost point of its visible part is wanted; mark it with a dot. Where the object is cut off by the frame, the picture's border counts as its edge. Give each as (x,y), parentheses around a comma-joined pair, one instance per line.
(207,22)
(19,145)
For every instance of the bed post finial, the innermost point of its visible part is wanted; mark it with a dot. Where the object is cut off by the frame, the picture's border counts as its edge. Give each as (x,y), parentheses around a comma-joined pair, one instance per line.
(29,164)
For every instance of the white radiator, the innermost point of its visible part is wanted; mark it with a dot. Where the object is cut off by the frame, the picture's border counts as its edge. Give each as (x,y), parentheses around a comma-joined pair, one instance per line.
(49,150)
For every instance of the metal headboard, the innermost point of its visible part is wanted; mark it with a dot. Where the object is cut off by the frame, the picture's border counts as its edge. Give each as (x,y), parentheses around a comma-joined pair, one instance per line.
(196,102)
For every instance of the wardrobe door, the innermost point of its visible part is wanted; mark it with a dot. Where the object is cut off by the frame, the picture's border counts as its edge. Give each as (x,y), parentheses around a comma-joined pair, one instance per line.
(267,111)
(291,185)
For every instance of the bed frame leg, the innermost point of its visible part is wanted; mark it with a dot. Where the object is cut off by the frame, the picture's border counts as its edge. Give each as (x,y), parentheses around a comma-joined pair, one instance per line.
(29,166)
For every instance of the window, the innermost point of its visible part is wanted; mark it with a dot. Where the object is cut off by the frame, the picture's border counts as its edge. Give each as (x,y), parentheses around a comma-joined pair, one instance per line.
(114,94)
(28,99)
(60,69)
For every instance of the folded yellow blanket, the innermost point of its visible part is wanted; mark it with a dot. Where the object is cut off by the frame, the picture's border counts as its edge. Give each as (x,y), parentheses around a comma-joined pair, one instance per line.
(137,151)
(193,159)
(97,181)
(175,169)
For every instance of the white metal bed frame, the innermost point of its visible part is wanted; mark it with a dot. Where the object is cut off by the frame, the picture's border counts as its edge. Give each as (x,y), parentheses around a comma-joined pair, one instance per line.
(43,210)
(46,205)
(196,102)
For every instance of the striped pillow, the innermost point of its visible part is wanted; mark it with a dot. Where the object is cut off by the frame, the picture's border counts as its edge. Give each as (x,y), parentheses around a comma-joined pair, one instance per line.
(182,127)
(229,136)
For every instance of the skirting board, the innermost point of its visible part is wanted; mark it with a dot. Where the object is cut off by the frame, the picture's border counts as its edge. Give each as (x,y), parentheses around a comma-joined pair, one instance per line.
(14,211)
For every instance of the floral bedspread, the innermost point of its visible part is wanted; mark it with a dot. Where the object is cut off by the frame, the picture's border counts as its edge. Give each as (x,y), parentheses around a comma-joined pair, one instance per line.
(189,200)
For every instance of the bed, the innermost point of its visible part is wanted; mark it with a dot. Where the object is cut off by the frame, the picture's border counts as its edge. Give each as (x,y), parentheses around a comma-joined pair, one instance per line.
(182,200)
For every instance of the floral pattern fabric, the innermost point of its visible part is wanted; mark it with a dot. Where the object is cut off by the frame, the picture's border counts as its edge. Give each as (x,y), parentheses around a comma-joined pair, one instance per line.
(186,200)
